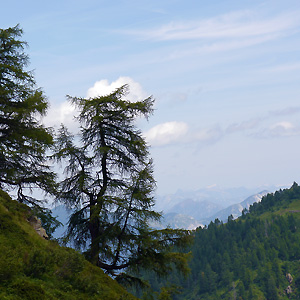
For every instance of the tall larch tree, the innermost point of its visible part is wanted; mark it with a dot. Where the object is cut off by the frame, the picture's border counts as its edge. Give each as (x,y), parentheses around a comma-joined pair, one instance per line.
(109,183)
(24,141)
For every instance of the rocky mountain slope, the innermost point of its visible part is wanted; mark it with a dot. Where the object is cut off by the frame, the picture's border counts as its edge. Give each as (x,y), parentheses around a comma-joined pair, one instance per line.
(236,209)
(177,221)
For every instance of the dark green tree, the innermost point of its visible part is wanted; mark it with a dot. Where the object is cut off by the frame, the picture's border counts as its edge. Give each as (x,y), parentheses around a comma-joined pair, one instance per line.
(23,139)
(241,290)
(271,289)
(109,182)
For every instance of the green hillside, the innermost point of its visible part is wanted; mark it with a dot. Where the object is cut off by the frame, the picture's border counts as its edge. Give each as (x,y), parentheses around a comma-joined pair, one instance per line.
(34,268)
(254,257)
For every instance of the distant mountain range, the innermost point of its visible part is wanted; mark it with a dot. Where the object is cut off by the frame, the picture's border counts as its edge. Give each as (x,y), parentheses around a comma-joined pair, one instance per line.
(236,209)
(223,197)
(192,209)
(196,209)
(177,221)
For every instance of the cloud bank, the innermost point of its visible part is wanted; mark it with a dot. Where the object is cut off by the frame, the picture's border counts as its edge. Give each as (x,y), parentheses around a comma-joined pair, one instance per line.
(279,129)
(61,114)
(239,24)
(166,133)
(222,33)
(103,87)
(64,113)
(177,132)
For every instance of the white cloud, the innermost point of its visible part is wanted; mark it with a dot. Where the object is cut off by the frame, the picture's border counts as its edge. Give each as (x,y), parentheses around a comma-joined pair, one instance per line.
(103,87)
(255,128)
(283,129)
(243,126)
(216,46)
(208,135)
(284,125)
(280,129)
(166,133)
(223,33)
(179,133)
(238,24)
(62,114)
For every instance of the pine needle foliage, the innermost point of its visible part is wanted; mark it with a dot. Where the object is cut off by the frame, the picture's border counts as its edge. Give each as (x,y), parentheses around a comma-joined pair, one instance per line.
(23,139)
(109,182)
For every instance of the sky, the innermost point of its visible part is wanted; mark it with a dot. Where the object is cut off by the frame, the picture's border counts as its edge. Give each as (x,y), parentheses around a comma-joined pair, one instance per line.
(225,76)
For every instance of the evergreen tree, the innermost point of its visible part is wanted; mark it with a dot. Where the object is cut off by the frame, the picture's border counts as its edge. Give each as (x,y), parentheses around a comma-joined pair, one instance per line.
(271,289)
(241,290)
(23,139)
(109,182)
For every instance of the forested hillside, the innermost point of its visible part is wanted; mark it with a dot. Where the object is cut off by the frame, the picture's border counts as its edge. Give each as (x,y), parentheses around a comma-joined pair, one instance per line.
(34,268)
(254,257)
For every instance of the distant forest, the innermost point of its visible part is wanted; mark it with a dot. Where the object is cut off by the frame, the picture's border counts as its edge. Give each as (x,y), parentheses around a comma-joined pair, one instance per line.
(254,257)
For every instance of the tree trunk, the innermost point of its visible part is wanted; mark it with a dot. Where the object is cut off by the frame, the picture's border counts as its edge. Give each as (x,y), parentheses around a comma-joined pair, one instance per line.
(94,228)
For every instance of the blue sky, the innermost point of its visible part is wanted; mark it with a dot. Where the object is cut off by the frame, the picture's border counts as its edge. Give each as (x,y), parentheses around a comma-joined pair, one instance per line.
(225,75)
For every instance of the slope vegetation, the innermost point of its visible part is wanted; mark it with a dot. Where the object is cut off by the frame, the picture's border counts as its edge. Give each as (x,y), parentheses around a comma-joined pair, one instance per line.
(34,268)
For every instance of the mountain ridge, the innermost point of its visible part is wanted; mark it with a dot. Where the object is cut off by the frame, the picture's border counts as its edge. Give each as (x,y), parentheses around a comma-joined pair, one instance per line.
(187,212)
(201,213)
(235,210)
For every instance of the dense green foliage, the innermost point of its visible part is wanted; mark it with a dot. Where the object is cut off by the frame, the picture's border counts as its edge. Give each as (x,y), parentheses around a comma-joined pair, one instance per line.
(247,258)
(34,268)
(277,201)
(23,139)
(109,184)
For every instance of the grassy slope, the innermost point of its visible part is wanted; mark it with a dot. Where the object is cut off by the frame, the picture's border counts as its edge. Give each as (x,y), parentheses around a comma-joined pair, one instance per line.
(34,268)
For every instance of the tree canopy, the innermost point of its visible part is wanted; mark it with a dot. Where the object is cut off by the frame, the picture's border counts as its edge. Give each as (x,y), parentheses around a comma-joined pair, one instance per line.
(109,182)
(23,139)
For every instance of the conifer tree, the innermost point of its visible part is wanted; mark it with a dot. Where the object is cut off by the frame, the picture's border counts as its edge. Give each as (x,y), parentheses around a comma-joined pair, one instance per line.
(109,183)
(23,139)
